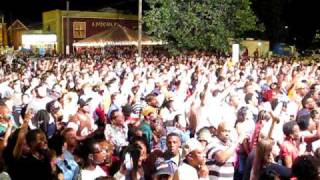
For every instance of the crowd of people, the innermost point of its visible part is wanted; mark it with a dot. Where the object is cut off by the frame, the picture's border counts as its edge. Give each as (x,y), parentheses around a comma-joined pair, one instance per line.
(188,117)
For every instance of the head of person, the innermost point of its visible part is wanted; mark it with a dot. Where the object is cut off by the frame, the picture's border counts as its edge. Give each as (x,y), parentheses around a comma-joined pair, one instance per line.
(194,152)
(41,120)
(234,101)
(151,100)
(127,110)
(164,170)
(315,115)
(249,87)
(70,138)
(301,88)
(4,113)
(37,141)
(173,143)
(308,103)
(92,153)
(135,89)
(117,118)
(149,113)
(204,136)
(168,103)
(306,167)
(244,114)
(291,130)
(84,105)
(224,131)
(264,148)
(41,92)
(263,116)
(138,150)
(86,88)
(305,122)
(251,98)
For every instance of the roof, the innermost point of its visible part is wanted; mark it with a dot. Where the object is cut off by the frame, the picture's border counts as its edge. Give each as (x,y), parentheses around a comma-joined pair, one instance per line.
(17,24)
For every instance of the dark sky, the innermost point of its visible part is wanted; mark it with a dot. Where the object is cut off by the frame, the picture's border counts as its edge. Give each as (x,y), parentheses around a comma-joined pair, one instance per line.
(302,16)
(30,11)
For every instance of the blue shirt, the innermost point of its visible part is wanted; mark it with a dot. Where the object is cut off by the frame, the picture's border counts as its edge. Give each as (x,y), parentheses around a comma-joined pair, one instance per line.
(69,166)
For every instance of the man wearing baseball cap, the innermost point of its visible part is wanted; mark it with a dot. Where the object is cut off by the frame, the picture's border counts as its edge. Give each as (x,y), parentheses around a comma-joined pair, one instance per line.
(193,166)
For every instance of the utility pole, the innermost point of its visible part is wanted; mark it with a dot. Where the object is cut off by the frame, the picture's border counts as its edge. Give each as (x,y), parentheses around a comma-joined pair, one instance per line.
(68,30)
(140,30)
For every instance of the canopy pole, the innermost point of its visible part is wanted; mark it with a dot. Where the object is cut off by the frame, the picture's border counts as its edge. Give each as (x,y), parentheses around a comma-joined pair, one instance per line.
(140,30)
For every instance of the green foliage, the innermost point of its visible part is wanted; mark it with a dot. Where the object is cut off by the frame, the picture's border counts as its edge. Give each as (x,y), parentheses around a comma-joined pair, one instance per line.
(200,24)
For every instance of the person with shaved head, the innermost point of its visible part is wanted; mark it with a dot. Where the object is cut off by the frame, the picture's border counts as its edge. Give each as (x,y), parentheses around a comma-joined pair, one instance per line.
(221,152)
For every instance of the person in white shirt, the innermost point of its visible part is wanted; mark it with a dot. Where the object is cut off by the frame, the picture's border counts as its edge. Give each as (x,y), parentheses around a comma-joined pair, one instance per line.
(193,166)
(94,156)
(40,101)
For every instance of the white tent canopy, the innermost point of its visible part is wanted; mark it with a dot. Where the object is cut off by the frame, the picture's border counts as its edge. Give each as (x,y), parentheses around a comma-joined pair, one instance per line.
(116,36)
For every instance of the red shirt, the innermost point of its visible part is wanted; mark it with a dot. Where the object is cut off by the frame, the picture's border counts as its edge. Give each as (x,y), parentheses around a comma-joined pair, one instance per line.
(290,148)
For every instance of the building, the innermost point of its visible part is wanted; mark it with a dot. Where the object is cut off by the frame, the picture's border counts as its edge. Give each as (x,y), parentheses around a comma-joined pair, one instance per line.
(15,30)
(40,42)
(261,46)
(72,26)
(3,33)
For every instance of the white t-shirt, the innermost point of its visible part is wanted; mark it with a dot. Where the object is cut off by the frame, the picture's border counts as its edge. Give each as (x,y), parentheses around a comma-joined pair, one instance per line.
(185,171)
(90,175)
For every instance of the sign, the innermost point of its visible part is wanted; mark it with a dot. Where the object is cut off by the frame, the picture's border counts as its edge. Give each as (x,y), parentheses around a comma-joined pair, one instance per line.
(81,28)
(235,52)
(67,49)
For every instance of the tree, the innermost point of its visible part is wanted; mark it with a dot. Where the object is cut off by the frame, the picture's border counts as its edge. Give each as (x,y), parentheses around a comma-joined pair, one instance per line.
(200,24)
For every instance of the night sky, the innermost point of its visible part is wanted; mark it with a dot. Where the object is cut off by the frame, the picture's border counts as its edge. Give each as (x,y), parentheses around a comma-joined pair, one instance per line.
(302,16)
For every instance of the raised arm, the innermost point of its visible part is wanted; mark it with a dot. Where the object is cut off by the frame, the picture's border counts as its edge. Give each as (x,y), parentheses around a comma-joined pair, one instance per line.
(17,151)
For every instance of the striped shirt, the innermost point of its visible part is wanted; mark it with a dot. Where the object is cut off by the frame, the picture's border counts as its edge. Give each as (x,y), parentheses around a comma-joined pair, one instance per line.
(219,171)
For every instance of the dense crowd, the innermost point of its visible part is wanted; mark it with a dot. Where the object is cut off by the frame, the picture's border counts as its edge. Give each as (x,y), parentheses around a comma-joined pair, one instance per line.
(188,117)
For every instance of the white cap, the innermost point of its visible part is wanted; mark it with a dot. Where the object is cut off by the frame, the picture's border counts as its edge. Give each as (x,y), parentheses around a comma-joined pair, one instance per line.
(42,91)
(191,145)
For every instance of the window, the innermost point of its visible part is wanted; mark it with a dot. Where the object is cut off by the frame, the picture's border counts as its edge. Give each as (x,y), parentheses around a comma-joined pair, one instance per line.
(79,29)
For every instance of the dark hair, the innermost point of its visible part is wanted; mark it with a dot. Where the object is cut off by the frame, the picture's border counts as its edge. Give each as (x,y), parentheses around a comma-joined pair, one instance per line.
(288,128)
(304,101)
(149,97)
(248,97)
(241,114)
(41,120)
(65,131)
(173,134)
(305,167)
(112,114)
(263,115)
(313,113)
(303,121)
(86,148)
(32,135)
(127,110)
(143,140)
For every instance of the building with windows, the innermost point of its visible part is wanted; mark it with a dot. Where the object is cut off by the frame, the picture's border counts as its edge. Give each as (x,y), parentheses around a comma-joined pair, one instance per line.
(73,26)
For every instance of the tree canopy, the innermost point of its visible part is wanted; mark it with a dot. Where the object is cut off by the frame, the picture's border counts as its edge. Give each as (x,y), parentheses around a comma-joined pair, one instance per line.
(200,24)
